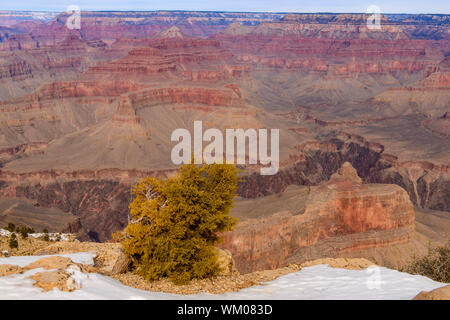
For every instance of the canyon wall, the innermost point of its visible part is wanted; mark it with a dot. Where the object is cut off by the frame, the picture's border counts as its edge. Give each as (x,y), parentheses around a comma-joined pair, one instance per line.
(427,188)
(338,216)
(426,184)
(85,114)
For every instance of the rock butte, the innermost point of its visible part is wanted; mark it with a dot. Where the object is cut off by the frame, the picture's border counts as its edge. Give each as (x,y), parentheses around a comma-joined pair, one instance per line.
(335,217)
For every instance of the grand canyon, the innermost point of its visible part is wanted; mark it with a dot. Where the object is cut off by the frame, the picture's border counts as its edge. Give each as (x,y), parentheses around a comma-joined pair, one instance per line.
(364,119)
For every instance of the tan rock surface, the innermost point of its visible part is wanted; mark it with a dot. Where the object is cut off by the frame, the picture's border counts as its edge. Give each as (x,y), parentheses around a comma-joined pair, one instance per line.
(54,279)
(60,263)
(121,265)
(8,269)
(107,254)
(442,293)
(50,263)
(226,262)
(346,171)
(342,263)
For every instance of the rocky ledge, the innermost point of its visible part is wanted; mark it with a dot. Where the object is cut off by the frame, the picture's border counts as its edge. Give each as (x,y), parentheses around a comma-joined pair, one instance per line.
(61,272)
(328,220)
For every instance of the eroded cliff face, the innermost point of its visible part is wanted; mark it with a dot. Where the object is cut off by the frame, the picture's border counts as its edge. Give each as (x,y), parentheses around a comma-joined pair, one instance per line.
(426,184)
(93,110)
(100,198)
(340,215)
(100,206)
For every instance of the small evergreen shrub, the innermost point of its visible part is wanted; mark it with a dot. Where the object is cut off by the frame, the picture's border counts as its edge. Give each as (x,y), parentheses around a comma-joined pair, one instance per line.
(24,231)
(45,237)
(13,243)
(435,265)
(11,227)
(175,223)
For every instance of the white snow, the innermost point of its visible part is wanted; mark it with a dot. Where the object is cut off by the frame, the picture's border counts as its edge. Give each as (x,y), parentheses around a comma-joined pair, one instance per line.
(52,236)
(4,233)
(21,261)
(317,282)
(322,282)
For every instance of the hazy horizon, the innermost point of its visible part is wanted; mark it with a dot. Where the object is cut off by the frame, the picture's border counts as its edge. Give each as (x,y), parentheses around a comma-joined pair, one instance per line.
(228,11)
(256,6)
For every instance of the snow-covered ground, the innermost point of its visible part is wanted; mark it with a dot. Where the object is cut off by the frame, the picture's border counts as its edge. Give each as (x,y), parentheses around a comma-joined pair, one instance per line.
(317,282)
(86,258)
(52,236)
(4,233)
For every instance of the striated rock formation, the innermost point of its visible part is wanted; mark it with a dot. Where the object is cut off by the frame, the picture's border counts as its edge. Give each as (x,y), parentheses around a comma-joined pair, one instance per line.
(426,183)
(335,217)
(85,113)
(15,68)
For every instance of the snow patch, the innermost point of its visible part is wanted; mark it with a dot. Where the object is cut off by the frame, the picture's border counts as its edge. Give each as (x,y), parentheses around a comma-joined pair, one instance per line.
(52,236)
(311,283)
(86,258)
(4,233)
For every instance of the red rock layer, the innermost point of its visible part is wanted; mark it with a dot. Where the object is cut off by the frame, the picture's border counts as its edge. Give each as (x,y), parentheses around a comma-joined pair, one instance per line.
(204,96)
(341,215)
(183,58)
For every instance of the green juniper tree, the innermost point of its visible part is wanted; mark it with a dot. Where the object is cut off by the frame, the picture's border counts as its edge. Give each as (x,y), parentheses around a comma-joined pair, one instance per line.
(175,223)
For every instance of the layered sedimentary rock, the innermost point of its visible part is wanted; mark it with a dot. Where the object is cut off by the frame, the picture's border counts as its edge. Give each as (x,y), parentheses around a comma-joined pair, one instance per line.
(112,25)
(24,68)
(21,211)
(430,96)
(95,108)
(335,217)
(427,184)
(14,68)
(166,56)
